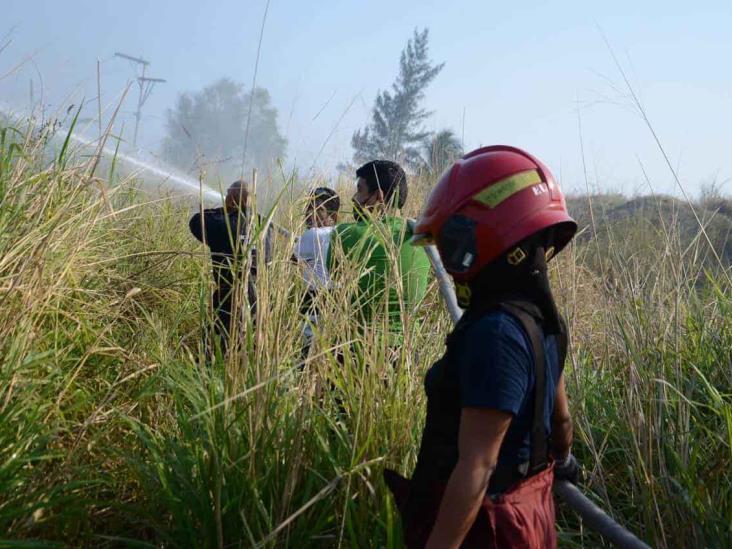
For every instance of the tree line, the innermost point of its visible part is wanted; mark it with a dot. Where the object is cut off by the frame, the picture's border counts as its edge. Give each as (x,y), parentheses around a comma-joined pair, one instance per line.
(225,130)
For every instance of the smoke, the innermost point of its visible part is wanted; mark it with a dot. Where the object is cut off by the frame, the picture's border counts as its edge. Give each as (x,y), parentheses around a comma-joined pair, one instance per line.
(133,165)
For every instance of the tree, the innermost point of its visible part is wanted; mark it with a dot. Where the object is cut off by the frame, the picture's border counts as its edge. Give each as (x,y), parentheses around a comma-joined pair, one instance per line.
(207,129)
(439,150)
(395,131)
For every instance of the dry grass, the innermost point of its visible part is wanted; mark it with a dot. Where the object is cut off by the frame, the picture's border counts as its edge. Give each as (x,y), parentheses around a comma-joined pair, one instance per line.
(114,430)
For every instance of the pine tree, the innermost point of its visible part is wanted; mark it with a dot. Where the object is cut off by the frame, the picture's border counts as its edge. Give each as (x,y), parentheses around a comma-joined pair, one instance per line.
(396,131)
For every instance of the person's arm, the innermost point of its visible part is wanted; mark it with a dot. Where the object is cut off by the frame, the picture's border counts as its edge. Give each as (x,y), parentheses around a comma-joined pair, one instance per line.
(562,428)
(479,441)
(330,257)
(417,278)
(196,226)
(209,227)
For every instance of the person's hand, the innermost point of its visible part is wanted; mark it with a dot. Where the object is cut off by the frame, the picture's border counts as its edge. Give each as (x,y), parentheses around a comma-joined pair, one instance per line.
(568,469)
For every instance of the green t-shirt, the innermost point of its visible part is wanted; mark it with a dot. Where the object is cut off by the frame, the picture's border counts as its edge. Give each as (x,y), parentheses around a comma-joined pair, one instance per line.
(376,249)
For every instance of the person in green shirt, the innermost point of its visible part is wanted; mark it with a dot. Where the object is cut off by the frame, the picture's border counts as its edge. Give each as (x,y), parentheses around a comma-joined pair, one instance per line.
(392,275)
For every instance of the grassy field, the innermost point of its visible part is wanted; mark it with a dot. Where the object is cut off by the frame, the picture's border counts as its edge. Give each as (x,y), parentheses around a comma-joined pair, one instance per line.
(115,432)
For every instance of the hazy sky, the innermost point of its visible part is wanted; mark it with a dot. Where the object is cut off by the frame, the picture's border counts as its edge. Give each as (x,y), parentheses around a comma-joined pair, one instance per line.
(523,75)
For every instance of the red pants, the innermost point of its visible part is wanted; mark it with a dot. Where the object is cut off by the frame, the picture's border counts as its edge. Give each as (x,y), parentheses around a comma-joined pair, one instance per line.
(523,517)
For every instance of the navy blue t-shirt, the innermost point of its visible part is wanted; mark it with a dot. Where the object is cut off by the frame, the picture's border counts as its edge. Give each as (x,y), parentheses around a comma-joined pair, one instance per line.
(494,364)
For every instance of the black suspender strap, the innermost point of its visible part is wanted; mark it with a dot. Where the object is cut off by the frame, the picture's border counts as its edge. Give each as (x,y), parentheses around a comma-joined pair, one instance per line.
(539,454)
(563,342)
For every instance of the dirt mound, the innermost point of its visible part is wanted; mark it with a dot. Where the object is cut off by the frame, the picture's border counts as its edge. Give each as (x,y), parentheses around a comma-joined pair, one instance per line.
(624,218)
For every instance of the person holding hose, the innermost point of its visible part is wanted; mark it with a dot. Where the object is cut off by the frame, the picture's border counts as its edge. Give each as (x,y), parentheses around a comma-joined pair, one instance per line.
(225,230)
(498,428)
(377,232)
(311,249)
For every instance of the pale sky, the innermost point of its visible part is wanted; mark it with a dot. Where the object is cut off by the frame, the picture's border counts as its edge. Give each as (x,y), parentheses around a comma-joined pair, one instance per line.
(522,75)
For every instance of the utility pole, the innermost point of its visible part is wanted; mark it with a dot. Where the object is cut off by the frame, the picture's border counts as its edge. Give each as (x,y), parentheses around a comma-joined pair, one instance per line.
(145,85)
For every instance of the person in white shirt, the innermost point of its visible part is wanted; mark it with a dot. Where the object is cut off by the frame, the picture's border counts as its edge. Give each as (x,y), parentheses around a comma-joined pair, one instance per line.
(311,249)
(321,215)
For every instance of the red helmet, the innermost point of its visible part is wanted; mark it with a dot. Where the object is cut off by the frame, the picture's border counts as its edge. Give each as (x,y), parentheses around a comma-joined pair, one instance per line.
(488,201)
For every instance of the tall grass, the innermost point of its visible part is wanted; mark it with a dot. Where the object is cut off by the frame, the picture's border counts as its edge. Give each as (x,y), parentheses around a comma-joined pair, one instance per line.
(115,430)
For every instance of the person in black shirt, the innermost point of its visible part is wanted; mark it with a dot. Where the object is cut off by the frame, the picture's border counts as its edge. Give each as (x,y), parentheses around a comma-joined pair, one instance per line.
(227,231)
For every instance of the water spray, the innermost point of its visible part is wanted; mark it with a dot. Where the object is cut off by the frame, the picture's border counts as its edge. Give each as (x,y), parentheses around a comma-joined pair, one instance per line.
(166,175)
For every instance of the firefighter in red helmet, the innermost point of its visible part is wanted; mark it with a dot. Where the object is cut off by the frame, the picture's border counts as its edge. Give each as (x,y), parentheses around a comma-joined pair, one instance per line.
(498,428)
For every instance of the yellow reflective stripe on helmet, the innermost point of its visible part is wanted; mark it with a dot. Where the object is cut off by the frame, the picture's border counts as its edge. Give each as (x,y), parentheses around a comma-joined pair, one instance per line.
(498,192)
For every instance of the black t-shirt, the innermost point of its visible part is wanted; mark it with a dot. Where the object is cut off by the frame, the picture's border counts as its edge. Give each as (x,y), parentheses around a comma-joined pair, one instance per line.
(227,237)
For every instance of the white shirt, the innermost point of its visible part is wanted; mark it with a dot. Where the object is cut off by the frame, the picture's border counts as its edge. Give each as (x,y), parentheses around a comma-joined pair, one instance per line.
(312,249)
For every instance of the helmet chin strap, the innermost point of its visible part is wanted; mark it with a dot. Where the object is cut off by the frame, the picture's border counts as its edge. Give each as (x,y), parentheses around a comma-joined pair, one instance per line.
(463,293)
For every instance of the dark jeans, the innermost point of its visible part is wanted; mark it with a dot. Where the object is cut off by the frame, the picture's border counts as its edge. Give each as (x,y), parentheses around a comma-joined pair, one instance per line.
(219,333)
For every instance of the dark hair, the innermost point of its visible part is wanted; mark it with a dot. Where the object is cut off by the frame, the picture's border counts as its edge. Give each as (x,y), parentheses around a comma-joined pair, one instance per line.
(328,198)
(387,176)
(241,185)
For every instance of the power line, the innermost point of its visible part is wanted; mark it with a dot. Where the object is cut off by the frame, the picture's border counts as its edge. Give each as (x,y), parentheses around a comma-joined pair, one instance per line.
(254,86)
(145,85)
